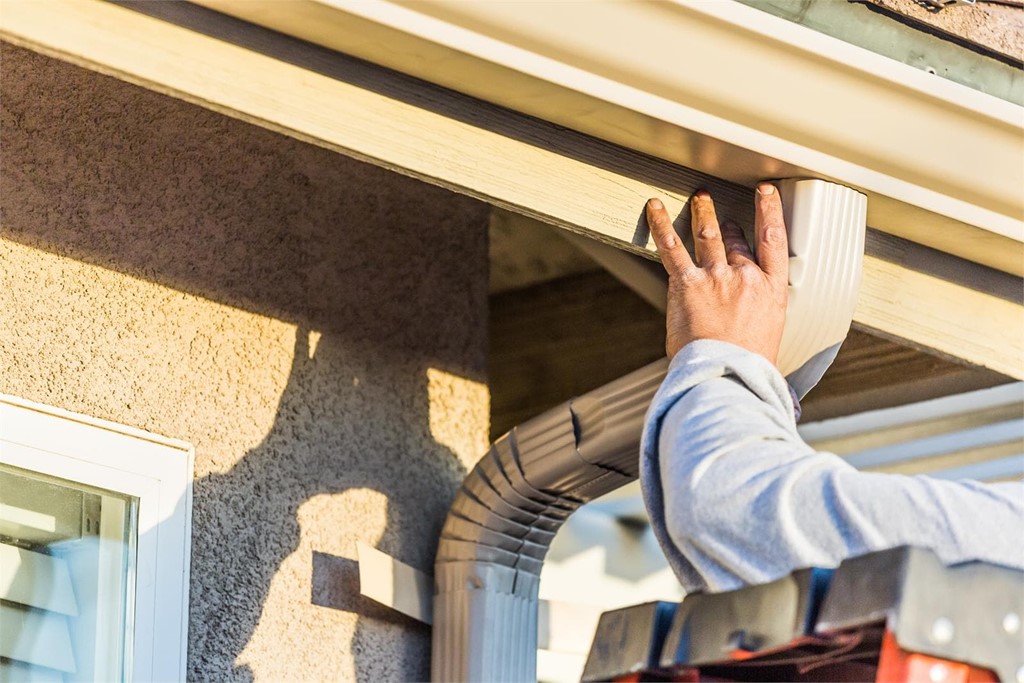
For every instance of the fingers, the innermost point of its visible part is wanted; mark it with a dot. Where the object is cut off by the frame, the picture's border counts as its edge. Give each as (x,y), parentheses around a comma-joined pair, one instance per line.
(770,238)
(737,251)
(673,253)
(707,236)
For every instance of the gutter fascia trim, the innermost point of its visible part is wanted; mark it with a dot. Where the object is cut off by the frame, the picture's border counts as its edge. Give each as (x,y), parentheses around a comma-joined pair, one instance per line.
(437,41)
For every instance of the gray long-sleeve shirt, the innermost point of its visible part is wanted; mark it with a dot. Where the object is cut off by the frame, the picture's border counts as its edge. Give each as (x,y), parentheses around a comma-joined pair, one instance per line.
(737,497)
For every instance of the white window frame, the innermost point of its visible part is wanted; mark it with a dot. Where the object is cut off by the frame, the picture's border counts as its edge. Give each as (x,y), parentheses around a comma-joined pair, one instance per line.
(156,470)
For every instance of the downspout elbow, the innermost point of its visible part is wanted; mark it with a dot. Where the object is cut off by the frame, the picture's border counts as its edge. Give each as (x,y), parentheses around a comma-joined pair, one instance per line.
(505,515)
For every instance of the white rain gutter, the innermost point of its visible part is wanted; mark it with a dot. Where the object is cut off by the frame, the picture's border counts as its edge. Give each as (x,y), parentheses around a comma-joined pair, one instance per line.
(718,87)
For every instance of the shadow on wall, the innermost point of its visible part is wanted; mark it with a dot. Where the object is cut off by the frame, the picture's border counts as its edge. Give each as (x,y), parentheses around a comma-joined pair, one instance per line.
(390,272)
(331,436)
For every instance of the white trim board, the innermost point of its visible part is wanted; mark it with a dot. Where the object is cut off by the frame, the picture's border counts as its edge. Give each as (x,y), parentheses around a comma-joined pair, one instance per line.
(156,470)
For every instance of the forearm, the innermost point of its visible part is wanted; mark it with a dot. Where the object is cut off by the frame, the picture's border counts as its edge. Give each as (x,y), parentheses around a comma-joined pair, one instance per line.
(737,497)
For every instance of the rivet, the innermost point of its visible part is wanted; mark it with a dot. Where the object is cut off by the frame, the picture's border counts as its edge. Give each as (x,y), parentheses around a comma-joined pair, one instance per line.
(937,673)
(1011,623)
(942,631)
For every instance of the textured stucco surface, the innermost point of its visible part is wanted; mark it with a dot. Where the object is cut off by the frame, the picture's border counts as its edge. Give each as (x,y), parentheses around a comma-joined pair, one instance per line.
(995,26)
(314,326)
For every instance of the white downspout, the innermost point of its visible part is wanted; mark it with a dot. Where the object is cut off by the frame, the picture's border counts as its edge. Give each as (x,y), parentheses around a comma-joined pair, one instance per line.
(508,509)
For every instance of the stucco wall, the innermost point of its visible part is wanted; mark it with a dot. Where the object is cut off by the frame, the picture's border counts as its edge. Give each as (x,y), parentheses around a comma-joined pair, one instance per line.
(314,326)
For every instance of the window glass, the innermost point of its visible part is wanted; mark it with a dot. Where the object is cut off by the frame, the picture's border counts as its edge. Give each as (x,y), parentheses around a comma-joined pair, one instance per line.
(67,561)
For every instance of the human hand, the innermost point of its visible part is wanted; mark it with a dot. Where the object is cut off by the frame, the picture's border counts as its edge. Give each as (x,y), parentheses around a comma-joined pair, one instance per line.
(729,294)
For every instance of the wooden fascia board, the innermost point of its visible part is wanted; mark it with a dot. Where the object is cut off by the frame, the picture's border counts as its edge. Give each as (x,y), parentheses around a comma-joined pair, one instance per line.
(942,303)
(686,81)
(526,166)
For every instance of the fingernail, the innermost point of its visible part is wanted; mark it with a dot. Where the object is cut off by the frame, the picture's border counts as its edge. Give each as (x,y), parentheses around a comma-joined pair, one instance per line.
(703,194)
(655,204)
(765,189)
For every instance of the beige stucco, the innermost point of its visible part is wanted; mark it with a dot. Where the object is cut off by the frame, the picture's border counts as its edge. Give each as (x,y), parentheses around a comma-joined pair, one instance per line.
(314,326)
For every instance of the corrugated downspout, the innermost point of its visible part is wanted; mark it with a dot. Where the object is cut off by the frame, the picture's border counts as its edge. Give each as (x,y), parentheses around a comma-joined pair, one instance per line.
(505,515)
(492,547)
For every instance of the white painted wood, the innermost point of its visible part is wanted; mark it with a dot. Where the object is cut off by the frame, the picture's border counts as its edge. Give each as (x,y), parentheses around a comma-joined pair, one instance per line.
(36,580)
(395,584)
(156,470)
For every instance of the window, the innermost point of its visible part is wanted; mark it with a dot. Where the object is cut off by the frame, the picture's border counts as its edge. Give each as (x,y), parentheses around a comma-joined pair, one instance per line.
(94,548)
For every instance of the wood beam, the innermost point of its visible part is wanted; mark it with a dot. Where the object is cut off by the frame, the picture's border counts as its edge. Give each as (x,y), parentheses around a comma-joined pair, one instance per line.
(527,166)
(948,306)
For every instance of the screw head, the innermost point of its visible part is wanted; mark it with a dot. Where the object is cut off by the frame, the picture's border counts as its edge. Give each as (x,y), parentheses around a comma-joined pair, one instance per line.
(942,631)
(937,673)
(1011,623)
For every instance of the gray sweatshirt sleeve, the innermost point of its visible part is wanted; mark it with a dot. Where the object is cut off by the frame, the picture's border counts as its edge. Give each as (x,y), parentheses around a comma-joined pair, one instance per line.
(736,497)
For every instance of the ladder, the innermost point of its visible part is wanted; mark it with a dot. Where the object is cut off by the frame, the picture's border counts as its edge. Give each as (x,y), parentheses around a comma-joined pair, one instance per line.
(893,615)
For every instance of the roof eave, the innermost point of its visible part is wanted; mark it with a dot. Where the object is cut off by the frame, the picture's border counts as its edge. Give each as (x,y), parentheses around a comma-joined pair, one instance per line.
(690,82)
